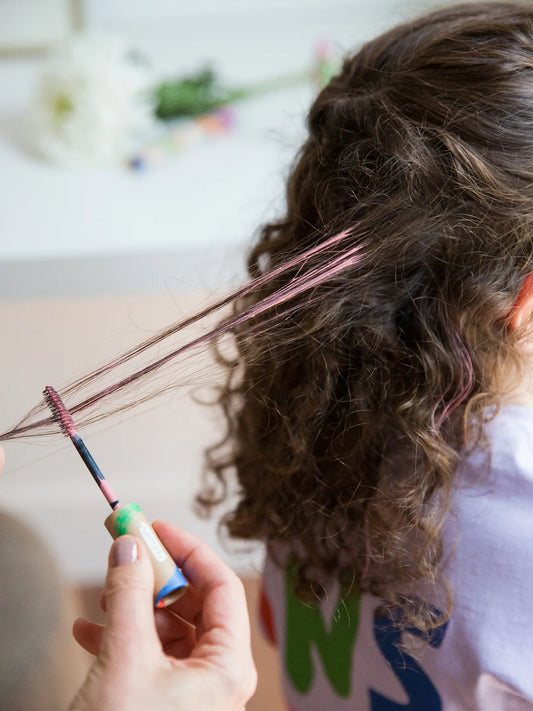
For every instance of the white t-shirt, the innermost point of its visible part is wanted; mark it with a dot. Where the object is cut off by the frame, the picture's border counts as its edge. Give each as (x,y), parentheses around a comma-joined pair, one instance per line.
(343,658)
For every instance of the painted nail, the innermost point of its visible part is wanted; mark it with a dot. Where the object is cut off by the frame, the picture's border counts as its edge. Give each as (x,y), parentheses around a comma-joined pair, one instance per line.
(124,551)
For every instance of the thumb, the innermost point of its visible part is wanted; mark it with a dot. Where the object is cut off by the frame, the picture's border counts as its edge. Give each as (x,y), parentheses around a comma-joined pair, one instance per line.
(130,633)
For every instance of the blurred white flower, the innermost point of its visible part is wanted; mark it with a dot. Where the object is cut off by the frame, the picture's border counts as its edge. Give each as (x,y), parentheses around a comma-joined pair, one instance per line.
(93,103)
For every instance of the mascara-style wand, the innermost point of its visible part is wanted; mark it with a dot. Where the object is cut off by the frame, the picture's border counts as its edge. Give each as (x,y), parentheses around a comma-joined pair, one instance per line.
(64,419)
(169,582)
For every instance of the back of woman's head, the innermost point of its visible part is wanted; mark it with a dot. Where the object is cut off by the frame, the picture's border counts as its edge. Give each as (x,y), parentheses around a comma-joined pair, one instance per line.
(423,147)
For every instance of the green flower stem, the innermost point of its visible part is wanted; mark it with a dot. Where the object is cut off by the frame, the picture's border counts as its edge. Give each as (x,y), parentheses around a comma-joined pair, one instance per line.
(200,93)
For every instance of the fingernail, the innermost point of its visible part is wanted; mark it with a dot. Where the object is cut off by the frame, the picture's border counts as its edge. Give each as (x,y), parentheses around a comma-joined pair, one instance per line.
(124,551)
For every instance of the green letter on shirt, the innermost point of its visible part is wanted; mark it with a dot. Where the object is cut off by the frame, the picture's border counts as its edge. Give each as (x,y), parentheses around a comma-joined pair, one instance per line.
(305,628)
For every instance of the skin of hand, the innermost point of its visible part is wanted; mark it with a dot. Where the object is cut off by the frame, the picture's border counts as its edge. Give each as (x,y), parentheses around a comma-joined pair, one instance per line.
(195,653)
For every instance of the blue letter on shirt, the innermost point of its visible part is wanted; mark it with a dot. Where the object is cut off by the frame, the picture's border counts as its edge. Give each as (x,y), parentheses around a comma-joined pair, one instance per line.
(422,694)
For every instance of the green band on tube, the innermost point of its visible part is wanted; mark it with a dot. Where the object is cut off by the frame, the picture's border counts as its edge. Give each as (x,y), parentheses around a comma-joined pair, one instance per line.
(122,521)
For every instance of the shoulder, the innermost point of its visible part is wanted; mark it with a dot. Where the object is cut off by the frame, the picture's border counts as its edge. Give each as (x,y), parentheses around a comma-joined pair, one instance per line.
(493,503)
(506,464)
(489,544)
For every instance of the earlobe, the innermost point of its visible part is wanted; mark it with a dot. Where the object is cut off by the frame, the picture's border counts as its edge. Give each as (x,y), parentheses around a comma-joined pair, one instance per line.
(523,306)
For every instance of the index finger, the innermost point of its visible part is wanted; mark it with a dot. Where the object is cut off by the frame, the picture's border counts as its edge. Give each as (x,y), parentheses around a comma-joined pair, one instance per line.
(2,458)
(219,588)
(225,640)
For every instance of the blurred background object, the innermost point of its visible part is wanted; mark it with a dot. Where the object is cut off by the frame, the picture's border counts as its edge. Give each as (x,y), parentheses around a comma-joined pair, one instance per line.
(41,666)
(94,98)
(97,103)
(34,25)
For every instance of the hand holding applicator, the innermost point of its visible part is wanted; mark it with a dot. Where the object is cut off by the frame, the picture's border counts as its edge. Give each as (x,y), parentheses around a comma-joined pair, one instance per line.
(169,583)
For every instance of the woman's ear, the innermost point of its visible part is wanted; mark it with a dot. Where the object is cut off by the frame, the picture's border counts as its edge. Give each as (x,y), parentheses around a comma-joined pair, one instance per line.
(523,306)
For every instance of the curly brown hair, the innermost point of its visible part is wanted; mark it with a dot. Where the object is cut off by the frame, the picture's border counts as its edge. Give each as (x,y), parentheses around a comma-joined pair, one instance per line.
(346,417)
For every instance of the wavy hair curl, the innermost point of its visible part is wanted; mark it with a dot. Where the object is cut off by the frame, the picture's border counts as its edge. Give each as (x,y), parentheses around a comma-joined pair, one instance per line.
(346,418)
